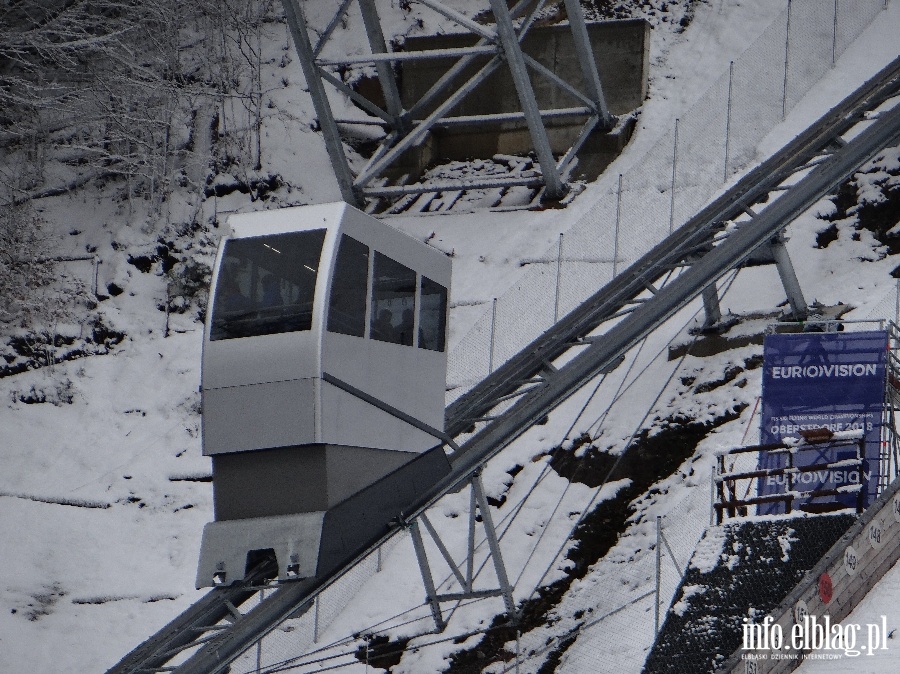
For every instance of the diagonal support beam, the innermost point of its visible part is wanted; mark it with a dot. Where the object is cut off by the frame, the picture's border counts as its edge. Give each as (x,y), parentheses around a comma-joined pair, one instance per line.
(789,279)
(555,188)
(385,70)
(587,63)
(459,18)
(422,128)
(333,144)
(329,29)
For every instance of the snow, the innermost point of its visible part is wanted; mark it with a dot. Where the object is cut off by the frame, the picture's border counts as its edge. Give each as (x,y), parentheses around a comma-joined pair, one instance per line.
(681,606)
(101,506)
(709,550)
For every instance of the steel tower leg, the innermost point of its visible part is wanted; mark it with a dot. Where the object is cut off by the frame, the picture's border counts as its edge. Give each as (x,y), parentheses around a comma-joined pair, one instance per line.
(586,60)
(333,144)
(555,188)
(494,545)
(430,590)
(711,306)
(433,598)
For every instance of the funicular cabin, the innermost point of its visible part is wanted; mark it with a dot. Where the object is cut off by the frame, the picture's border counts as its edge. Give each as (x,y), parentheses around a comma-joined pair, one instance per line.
(324,368)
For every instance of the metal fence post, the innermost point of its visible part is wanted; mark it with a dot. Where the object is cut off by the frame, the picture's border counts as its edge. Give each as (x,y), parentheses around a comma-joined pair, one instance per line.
(558,274)
(658,563)
(493,329)
(728,121)
(618,222)
(897,304)
(262,596)
(316,619)
(787,49)
(674,170)
(834,35)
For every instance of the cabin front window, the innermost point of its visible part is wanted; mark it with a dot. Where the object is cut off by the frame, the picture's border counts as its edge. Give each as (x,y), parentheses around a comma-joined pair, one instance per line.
(266,285)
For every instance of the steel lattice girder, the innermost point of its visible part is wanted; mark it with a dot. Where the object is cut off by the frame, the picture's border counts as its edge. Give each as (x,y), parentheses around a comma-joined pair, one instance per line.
(404,129)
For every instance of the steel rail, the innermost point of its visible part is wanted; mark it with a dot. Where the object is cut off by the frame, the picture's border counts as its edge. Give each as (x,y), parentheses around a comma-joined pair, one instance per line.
(684,242)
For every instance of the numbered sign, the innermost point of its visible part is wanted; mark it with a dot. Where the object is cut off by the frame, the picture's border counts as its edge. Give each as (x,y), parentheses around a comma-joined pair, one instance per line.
(851,561)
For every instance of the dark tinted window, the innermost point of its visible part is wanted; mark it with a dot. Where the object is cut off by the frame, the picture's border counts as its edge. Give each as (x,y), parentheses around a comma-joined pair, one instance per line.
(347,305)
(266,285)
(433,315)
(393,301)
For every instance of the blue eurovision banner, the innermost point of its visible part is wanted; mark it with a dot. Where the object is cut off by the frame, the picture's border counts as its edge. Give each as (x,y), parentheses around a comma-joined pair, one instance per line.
(833,380)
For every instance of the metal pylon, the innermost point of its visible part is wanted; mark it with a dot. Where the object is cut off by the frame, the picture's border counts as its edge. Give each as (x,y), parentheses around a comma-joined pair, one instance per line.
(477,501)
(407,128)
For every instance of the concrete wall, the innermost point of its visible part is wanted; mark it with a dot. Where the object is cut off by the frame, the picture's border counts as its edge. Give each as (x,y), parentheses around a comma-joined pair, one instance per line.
(621,51)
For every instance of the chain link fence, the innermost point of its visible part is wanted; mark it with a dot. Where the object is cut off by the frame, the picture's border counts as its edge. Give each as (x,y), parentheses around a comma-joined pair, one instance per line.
(714,140)
(619,608)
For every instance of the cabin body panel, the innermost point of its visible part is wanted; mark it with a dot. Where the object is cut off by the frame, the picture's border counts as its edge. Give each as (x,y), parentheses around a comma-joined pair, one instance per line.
(259,360)
(302,298)
(259,416)
(397,375)
(264,484)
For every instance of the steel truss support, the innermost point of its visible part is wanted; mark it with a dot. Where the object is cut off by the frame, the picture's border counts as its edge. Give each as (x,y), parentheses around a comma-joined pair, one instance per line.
(512,53)
(333,144)
(405,129)
(466,581)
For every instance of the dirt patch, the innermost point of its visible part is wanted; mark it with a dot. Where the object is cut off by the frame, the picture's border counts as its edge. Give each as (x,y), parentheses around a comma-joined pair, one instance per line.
(650,459)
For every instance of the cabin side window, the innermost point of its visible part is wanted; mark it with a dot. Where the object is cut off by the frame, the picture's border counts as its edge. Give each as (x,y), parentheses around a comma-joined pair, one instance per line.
(393,301)
(266,285)
(349,287)
(432,315)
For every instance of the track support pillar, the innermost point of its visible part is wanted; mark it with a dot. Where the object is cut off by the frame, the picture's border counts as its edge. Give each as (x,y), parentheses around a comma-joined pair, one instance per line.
(789,280)
(466,581)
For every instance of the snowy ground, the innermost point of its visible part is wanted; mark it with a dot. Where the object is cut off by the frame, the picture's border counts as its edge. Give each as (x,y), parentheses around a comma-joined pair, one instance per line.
(100,503)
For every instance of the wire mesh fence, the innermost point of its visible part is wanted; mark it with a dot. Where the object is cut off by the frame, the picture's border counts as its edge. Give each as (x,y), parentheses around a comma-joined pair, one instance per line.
(613,614)
(713,141)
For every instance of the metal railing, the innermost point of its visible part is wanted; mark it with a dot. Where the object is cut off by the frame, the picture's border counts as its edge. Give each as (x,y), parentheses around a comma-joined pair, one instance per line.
(730,504)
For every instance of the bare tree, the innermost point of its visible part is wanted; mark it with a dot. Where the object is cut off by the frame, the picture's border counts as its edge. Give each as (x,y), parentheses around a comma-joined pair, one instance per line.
(29,285)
